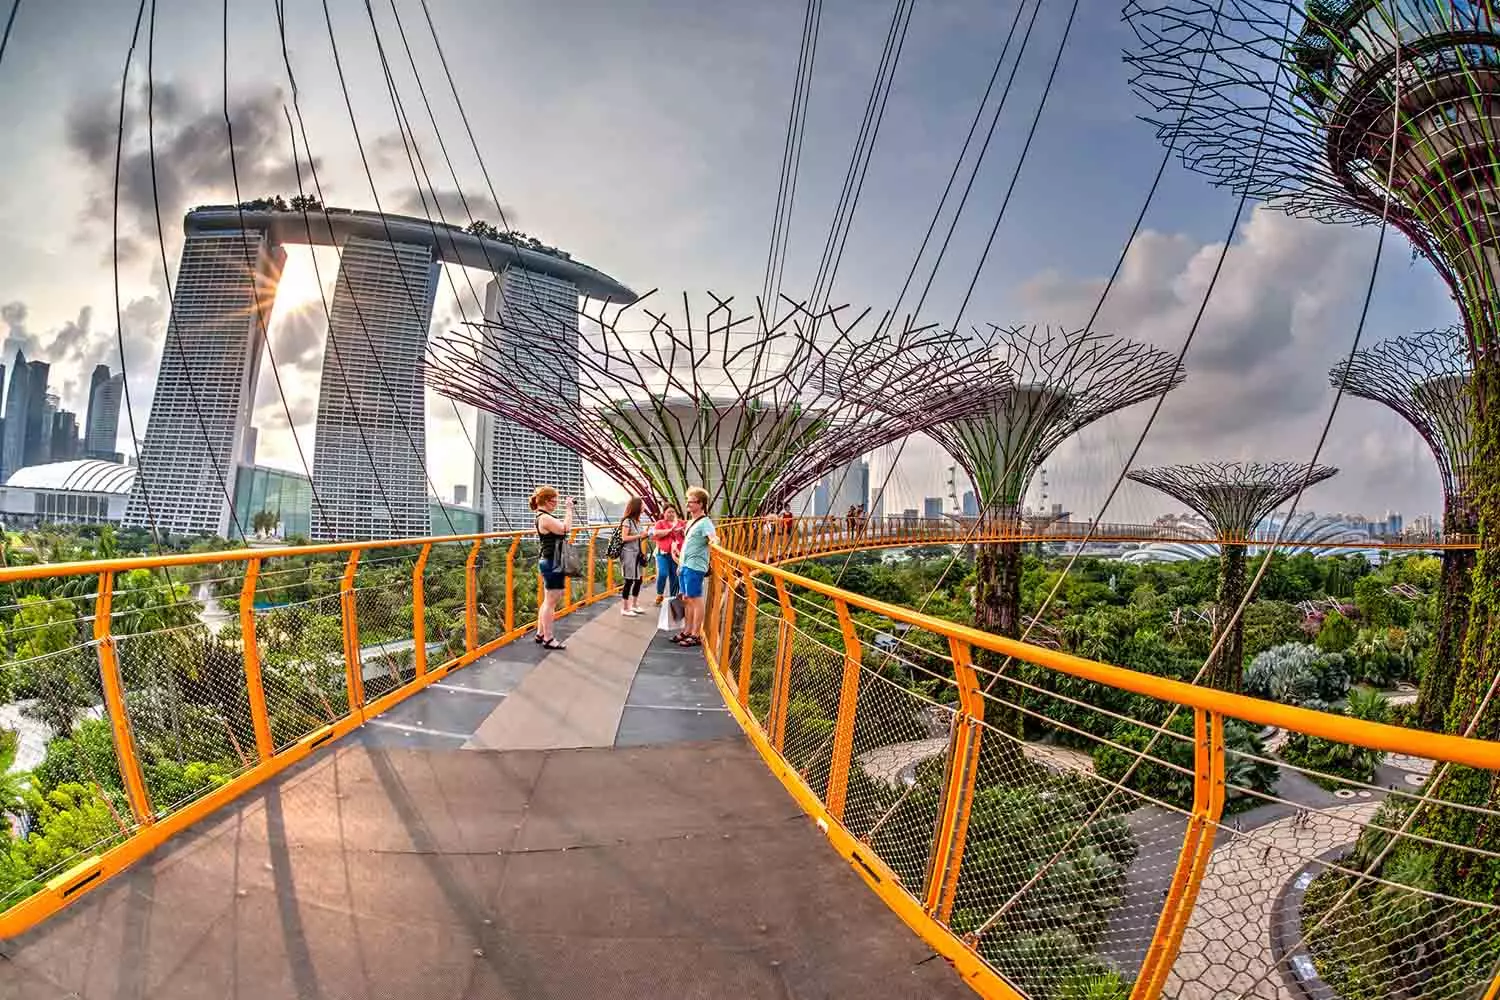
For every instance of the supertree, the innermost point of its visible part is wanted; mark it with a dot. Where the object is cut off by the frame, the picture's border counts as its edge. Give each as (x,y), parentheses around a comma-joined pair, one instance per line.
(1358,111)
(1233,497)
(753,411)
(1040,386)
(1425,378)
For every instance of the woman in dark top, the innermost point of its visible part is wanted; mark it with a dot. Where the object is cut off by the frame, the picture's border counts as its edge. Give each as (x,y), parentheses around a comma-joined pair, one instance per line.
(552,531)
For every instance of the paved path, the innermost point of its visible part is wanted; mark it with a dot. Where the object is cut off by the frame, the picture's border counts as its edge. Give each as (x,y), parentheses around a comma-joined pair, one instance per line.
(1227,947)
(667,863)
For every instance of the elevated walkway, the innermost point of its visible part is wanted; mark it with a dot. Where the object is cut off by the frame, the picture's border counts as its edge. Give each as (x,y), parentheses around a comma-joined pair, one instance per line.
(587,823)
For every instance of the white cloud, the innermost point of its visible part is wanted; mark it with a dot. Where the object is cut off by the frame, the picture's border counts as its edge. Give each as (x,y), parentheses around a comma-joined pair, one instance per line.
(1283,311)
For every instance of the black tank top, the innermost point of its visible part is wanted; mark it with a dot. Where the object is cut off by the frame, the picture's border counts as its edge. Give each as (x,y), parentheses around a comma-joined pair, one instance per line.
(550,541)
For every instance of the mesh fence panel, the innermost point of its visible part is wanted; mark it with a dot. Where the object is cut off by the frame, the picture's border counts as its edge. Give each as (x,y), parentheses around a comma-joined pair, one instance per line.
(383,612)
(813,686)
(1330,881)
(444,595)
(901,745)
(491,579)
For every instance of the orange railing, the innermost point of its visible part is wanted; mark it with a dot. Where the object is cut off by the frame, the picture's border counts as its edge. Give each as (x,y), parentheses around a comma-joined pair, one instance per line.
(769,537)
(1058,827)
(179,682)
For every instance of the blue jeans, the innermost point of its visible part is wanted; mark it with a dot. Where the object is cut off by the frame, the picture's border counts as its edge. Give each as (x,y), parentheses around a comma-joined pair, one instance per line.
(666,574)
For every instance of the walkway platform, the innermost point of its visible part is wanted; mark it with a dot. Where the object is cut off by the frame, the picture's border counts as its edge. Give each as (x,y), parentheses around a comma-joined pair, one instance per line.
(585,823)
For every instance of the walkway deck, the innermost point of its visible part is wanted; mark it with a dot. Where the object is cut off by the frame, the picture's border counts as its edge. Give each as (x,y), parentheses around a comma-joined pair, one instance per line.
(641,849)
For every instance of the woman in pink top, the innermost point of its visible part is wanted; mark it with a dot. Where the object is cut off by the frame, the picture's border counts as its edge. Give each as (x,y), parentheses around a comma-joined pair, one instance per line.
(667,533)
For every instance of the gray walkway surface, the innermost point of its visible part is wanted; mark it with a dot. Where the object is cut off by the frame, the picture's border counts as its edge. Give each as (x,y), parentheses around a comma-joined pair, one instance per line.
(667,863)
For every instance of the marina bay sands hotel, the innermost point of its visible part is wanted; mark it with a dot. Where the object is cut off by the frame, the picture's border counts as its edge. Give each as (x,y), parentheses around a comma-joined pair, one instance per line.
(370,450)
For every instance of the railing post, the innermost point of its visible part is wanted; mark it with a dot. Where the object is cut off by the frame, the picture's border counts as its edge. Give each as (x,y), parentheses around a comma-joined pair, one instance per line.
(568,600)
(419,612)
(471,598)
(588,590)
(747,648)
(510,585)
(781,680)
(843,727)
(728,626)
(958,787)
(255,684)
(1192,862)
(114,703)
(353,667)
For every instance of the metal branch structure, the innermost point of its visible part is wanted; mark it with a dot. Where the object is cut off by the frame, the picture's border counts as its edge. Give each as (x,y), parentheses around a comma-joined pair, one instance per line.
(1036,387)
(1042,385)
(1344,111)
(1426,378)
(1233,497)
(753,411)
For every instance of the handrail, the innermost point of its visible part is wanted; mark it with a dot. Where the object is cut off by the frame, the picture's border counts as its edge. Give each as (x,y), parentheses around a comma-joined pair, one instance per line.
(803,706)
(293,697)
(90,567)
(1372,735)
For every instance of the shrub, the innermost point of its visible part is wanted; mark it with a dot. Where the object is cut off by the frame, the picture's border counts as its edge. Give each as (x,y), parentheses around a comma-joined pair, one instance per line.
(1331,760)
(1294,673)
(1336,634)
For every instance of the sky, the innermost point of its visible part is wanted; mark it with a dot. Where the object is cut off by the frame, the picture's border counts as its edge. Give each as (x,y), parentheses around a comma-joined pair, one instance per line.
(645,137)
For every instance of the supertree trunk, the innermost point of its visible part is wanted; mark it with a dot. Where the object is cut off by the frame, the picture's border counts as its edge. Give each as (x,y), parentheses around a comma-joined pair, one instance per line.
(1460,871)
(1454,593)
(1228,668)
(997,609)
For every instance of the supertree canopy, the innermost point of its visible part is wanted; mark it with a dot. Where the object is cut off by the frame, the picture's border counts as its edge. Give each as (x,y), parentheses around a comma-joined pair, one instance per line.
(1425,377)
(1342,110)
(752,411)
(1037,386)
(1233,497)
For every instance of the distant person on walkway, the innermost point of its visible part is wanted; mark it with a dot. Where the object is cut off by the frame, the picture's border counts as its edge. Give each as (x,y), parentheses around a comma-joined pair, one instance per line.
(667,532)
(553,534)
(632,556)
(694,569)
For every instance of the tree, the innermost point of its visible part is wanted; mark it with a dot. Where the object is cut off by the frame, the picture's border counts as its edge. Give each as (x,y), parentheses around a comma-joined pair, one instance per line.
(1336,634)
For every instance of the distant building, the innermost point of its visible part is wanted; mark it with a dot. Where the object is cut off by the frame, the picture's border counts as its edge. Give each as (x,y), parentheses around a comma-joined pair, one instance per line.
(932,508)
(101,425)
(66,445)
(370,462)
(971,504)
(252,441)
(514,460)
(846,487)
(877,503)
(460,494)
(83,491)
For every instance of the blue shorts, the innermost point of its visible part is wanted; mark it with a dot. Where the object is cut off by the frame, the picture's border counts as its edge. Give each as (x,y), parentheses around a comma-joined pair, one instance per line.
(552,575)
(691,580)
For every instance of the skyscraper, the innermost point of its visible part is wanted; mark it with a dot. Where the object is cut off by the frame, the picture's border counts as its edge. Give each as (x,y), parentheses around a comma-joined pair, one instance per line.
(13,447)
(847,487)
(28,427)
(514,460)
(64,434)
(371,451)
(205,386)
(932,508)
(971,504)
(101,424)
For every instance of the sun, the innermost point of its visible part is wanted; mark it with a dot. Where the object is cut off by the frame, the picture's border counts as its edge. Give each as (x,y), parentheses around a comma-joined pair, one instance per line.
(298,287)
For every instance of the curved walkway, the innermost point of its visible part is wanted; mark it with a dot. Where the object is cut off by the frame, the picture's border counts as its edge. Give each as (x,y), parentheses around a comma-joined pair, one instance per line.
(665,863)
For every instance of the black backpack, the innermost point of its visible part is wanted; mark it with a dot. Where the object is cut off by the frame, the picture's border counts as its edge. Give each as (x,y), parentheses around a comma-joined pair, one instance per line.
(616,544)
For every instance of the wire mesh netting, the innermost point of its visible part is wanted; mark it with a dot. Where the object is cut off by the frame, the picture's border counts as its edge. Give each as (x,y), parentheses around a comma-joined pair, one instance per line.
(299,635)
(384,614)
(186,692)
(62,798)
(444,594)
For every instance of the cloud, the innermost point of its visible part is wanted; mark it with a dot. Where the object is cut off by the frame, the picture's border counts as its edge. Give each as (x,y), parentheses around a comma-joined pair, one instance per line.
(193,163)
(457,206)
(1283,310)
